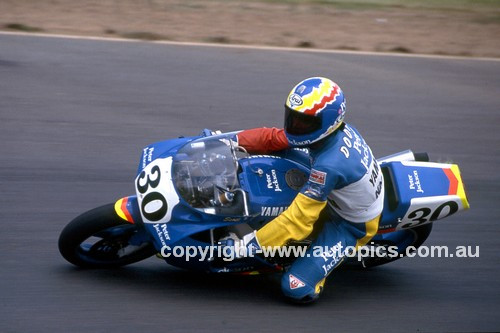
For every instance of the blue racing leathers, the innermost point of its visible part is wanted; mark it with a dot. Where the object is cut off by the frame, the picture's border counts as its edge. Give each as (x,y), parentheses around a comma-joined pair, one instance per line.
(345,180)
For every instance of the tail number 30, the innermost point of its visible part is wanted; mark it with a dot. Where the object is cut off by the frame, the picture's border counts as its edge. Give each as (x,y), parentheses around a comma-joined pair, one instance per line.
(424,215)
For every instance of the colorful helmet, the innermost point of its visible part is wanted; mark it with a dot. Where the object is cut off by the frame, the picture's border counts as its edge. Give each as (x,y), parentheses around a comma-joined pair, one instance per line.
(314,109)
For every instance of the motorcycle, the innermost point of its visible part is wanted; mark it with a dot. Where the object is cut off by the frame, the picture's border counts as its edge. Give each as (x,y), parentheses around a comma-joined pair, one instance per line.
(193,191)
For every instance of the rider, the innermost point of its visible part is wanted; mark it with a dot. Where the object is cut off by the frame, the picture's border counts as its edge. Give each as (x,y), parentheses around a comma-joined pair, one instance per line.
(345,181)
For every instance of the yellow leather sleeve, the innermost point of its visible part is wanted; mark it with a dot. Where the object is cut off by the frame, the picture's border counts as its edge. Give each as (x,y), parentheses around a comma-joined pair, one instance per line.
(295,223)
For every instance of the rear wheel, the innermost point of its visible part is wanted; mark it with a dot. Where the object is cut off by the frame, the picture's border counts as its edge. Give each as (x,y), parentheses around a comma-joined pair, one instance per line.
(414,237)
(101,239)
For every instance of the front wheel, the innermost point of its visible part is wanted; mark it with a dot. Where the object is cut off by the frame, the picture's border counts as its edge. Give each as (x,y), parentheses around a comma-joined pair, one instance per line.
(101,239)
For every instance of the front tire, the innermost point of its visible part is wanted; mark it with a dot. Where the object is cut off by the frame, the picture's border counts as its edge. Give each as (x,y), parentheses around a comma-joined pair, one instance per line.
(101,239)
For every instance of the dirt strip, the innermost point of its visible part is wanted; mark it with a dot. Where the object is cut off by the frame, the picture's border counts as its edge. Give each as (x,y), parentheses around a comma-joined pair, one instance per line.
(310,25)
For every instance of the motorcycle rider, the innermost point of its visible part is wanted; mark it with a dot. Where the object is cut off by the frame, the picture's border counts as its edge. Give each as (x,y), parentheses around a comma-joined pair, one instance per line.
(345,182)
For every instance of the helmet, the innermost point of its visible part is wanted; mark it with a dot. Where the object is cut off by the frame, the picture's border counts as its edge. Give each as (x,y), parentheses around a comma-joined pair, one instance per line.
(314,109)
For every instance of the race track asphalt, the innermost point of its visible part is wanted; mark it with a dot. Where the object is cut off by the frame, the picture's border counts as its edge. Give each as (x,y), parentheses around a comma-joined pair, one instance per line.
(75,115)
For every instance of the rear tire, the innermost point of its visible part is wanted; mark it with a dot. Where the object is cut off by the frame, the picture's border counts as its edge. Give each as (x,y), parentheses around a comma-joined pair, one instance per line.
(112,248)
(420,235)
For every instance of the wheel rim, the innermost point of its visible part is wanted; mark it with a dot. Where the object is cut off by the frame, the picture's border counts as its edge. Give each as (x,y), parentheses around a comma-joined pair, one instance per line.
(110,246)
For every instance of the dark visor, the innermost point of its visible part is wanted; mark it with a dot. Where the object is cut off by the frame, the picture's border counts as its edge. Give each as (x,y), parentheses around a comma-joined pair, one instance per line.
(298,123)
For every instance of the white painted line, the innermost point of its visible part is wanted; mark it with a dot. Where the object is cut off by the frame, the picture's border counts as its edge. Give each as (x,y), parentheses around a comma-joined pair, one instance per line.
(252,47)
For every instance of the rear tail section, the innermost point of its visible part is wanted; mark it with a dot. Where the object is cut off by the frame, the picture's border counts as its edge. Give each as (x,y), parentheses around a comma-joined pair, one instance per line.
(418,193)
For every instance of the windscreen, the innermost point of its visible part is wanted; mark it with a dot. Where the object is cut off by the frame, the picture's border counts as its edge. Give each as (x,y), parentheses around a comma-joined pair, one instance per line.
(204,169)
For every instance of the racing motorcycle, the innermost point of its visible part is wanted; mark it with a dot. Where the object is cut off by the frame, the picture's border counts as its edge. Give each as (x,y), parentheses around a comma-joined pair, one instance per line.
(193,191)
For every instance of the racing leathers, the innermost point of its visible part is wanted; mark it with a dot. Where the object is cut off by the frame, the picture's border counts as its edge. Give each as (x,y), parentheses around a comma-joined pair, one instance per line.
(346,180)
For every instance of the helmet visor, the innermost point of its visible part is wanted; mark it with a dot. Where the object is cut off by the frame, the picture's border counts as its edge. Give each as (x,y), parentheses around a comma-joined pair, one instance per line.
(298,123)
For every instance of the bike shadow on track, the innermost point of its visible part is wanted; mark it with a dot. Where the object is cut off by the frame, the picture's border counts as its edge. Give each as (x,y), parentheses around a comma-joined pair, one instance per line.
(149,279)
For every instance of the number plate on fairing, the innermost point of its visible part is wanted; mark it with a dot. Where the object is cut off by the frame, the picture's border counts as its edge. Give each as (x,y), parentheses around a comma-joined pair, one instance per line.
(429,209)
(155,191)
(423,192)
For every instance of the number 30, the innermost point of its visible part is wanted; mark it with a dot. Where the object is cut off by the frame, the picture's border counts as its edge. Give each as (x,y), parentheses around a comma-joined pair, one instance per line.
(419,216)
(161,211)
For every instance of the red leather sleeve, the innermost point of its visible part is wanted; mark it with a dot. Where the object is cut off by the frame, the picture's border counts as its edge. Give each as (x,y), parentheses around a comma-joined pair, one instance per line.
(263,140)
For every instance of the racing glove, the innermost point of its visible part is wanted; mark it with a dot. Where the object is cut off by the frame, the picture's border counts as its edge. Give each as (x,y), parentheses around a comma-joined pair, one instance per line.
(247,246)
(230,141)
(209,132)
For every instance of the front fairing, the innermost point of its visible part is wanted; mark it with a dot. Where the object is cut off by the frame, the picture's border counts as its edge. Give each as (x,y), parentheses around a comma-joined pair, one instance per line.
(160,149)
(180,183)
(190,186)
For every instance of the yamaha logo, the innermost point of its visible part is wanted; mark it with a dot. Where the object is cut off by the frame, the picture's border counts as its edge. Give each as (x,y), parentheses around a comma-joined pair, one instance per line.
(295,100)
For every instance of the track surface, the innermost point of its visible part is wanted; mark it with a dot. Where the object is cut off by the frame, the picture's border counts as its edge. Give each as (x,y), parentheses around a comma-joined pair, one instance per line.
(75,115)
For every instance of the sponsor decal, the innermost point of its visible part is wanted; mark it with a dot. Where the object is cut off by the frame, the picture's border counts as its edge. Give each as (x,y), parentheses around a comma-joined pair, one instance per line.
(353,140)
(245,269)
(272,211)
(318,177)
(295,283)
(332,257)
(414,182)
(314,191)
(375,180)
(295,100)
(304,150)
(147,156)
(300,143)
(265,156)
(196,145)
(384,229)
(272,181)
(162,232)
(341,111)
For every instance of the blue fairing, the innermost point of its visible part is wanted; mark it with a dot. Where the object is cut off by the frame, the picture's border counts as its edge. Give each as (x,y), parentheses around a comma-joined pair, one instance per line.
(161,149)
(407,181)
(270,183)
(268,196)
